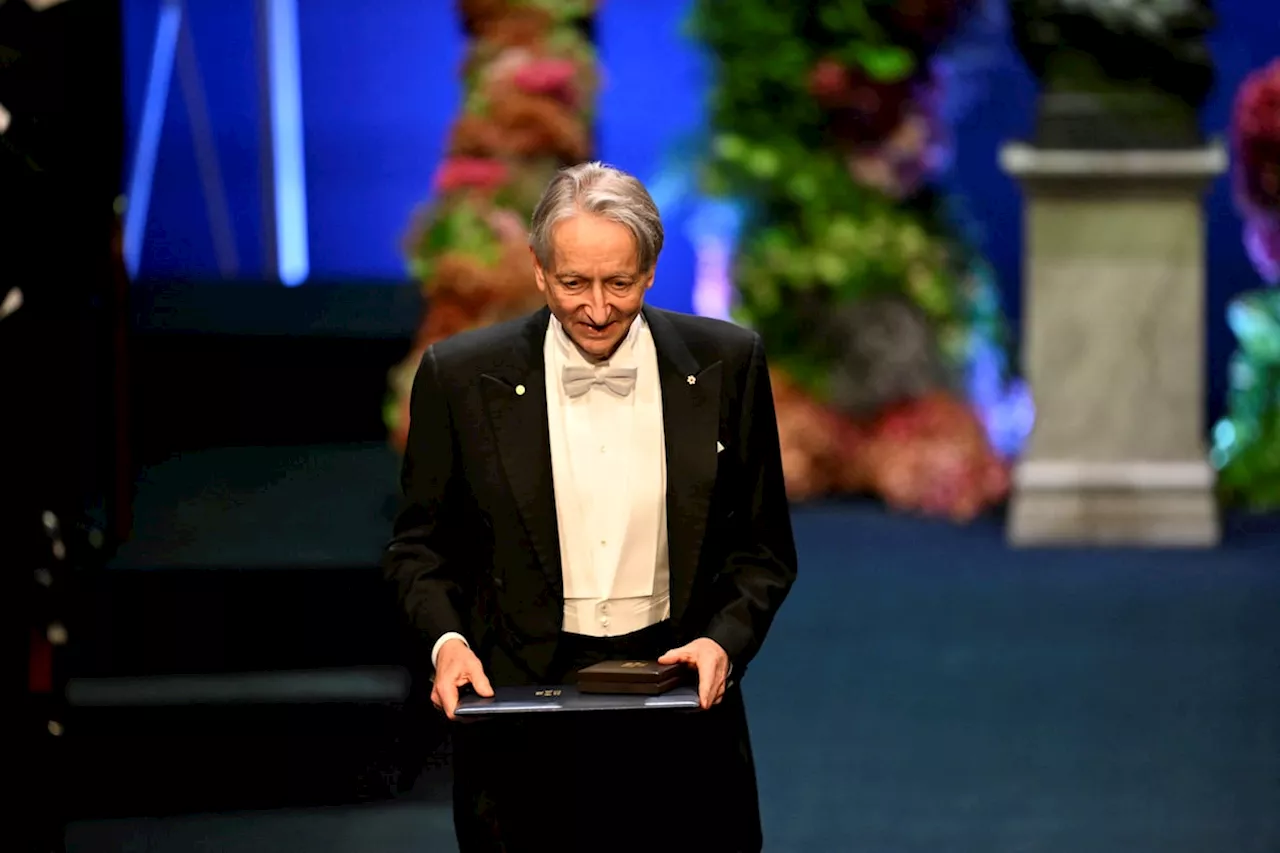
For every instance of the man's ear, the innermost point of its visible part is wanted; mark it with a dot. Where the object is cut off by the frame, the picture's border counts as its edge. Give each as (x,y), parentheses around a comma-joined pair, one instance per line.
(539,276)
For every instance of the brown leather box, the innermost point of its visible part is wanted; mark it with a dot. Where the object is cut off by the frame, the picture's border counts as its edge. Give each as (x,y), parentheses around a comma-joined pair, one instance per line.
(632,676)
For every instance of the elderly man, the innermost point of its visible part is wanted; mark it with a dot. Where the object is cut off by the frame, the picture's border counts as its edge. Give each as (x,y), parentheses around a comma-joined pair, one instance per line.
(598,481)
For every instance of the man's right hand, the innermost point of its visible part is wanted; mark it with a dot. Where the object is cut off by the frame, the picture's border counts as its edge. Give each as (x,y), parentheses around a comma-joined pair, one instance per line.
(457,666)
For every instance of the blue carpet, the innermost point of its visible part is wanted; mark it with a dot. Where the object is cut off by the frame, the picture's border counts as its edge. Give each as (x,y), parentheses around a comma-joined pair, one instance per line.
(928,689)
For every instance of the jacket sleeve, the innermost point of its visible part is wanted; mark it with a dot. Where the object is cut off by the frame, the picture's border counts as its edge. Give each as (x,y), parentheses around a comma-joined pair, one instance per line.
(424,560)
(761,564)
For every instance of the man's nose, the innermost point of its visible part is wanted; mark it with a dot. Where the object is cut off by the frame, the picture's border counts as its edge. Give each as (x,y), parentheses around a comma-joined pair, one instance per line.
(597,306)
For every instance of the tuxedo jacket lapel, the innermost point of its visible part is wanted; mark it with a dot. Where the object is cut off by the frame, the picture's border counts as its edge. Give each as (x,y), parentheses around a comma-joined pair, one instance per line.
(691,425)
(516,399)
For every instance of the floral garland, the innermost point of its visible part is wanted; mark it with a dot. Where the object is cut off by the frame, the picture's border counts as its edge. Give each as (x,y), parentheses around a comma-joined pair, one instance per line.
(530,78)
(876,311)
(1256,144)
(1247,442)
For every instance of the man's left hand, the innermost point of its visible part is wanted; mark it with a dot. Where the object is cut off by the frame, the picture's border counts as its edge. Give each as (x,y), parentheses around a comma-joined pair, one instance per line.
(712,663)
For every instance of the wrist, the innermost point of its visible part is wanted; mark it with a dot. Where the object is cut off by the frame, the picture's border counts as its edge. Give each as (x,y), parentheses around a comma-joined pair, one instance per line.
(446,640)
(721,650)
(714,644)
(452,644)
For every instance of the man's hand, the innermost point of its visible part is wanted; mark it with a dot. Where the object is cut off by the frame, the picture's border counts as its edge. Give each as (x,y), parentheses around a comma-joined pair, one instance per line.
(456,666)
(712,664)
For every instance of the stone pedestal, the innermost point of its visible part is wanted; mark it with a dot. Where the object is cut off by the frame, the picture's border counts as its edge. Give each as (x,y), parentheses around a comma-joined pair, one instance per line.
(1114,348)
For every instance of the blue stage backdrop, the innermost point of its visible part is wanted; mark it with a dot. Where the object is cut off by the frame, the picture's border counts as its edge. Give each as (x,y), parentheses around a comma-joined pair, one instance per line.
(377,90)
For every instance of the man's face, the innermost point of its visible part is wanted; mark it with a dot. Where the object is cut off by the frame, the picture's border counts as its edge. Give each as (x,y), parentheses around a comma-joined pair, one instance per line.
(595,288)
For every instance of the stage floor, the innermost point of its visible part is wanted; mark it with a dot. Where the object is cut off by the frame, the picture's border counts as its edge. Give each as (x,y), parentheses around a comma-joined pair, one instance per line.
(925,688)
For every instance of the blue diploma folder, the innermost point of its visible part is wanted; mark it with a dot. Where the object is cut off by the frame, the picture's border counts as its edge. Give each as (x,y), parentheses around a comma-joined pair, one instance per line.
(529,700)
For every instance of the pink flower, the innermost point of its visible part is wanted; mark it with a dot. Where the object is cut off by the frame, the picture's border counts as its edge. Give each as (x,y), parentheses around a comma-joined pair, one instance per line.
(862,110)
(478,173)
(1256,146)
(828,81)
(931,455)
(554,78)
(1256,141)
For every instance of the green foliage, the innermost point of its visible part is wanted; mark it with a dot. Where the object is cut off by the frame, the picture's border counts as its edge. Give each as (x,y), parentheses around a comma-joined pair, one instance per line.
(764,51)
(459,227)
(814,235)
(1247,442)
(565,11)
(1252,478)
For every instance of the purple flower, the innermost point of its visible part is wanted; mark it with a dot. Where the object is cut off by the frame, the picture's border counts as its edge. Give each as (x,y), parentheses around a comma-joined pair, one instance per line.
(1262,241)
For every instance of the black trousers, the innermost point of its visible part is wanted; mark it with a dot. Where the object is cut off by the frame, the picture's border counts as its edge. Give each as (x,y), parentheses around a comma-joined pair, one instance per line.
(615,782)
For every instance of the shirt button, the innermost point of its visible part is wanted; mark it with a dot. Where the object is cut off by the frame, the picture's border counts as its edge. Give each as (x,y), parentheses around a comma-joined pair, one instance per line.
(603,543)
(602,448)
(604,620)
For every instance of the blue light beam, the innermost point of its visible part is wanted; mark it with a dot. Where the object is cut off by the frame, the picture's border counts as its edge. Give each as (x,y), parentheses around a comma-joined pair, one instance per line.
(152,126)
(285,81)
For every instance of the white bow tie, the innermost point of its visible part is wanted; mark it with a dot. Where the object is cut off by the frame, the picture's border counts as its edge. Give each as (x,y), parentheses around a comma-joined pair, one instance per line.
(579,380)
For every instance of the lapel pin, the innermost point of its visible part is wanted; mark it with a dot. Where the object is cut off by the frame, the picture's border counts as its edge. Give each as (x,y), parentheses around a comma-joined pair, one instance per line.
(519,390)
(691,379)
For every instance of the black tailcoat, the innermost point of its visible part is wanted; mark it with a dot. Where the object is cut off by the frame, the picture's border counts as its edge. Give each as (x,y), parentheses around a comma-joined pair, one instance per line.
(476,549)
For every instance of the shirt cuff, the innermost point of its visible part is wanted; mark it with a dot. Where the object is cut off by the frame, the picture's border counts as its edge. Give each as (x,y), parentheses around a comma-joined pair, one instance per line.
(444,638)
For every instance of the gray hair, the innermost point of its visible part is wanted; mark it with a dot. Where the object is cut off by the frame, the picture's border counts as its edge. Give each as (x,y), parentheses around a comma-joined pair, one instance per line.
(603,191)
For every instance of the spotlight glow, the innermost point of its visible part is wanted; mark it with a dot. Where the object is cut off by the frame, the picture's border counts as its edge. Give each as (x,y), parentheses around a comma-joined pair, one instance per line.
(289,161)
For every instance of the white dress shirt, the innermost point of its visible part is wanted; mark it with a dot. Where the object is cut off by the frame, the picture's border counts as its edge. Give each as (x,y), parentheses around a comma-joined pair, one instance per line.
(609,466)
(608,463)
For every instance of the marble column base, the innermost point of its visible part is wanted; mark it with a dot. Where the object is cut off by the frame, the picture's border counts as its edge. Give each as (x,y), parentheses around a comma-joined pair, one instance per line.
(1146,504)
(1113,348)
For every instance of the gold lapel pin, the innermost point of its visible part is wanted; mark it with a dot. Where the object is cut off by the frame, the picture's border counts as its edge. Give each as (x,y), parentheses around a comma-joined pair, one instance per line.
(519,390)
(691,379)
